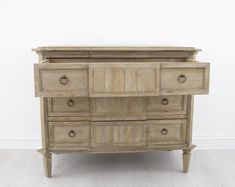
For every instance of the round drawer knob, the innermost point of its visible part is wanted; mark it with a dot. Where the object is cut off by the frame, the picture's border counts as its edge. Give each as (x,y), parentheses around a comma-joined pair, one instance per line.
(182,78)
(64,80)
(165,101)
(70,102)
(164,131)
(72,133)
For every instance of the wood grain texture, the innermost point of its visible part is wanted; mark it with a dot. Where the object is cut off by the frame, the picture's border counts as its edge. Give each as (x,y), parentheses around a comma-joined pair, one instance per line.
(113,48)
(186,160)
(48,80)
(69,133)
(120,79)
(47,162)
(118,108)
(69,106)
(110,80)
(163,106)
(121,134)
(118,99)
(166,132)
(196,78)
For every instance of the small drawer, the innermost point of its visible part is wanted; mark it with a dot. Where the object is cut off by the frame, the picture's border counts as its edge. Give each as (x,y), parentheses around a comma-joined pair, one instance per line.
(61,80)
(69,133)
(184,78)
(118,134)
(166,106)
(69,106)
(170,132)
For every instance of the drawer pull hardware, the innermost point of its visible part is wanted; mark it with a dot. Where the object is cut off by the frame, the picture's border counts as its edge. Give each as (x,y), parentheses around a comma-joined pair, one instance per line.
(70,102)
(164,131)
(165,101)
(64,80)
(182,78)
(72,133)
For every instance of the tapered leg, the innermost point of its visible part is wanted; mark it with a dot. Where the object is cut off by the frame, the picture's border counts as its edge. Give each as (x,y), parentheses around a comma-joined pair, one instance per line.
(47,164)
(186,160)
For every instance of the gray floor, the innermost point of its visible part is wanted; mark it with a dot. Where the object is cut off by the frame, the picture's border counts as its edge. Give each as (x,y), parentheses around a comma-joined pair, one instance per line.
(23,168)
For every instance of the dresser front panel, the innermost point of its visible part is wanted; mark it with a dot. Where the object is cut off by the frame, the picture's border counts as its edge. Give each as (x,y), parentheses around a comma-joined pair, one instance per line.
(120,79)
(117,99)
(118,134)
(185,78)
(166,106)
(161,132)
(121,134)
(58,80)
(69,134)
(127,79)
(69,106)
(119,108)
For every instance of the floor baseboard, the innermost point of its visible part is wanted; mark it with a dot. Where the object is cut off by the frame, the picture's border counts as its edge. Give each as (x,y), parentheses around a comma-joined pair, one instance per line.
(202,142)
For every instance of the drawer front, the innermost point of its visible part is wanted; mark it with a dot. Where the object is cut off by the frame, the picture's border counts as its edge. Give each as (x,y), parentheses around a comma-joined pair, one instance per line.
(120,79)
(126,79)
(69,106)
(58,80)
(69,133)
(184,78)
(167,106)
(119,108)
(118,134)
(161,132)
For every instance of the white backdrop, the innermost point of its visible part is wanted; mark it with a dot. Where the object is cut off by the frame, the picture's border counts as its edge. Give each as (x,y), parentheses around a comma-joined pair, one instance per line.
(26,24)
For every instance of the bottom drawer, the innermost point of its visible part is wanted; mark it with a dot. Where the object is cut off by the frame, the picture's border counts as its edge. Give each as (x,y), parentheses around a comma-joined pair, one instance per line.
(118,134)
(69,133)
(162,132)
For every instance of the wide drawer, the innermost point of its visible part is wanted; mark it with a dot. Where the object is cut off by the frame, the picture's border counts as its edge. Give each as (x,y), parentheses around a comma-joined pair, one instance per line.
(184,78)
(57,80)
(118,108)
(69,133)
(120,79)
(161,132)
(118,134)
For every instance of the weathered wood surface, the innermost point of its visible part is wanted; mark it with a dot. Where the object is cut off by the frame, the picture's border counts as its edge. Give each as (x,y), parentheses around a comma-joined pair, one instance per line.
(117,99)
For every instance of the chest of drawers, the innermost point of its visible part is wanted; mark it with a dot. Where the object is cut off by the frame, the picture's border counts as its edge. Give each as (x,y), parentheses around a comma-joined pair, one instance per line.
(117,99)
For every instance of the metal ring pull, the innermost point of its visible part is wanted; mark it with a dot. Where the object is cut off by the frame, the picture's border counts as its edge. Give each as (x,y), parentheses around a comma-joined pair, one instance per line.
(164,131)
(64,80)
(72,133)
(182,78)
(70,102)
(165,101)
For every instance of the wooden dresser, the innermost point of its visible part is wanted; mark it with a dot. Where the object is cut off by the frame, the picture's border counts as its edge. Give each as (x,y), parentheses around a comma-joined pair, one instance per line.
(117,99)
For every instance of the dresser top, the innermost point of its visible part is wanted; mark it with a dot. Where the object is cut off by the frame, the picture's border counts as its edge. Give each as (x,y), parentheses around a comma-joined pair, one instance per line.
(87,48)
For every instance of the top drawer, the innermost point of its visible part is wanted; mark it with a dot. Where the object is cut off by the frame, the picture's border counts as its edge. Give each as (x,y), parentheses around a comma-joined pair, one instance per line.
(184,78)
(61,80)
(120,79)
(126,79)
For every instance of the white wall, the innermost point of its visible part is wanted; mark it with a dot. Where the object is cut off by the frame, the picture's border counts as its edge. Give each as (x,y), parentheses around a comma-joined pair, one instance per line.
(26,24)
